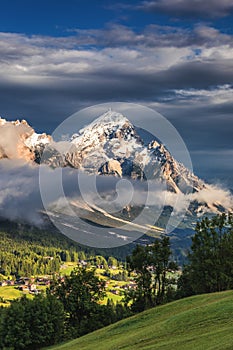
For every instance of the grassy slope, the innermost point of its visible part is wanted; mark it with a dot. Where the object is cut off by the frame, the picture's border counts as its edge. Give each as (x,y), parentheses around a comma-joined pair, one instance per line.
(197,323)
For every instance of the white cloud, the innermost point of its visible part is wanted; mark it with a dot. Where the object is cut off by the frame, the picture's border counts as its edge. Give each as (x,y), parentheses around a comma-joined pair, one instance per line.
(154,49)
(218,95)
(20,193)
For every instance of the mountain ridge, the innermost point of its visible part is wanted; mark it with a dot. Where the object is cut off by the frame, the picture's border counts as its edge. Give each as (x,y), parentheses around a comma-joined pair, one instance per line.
(110,145)
(112,137)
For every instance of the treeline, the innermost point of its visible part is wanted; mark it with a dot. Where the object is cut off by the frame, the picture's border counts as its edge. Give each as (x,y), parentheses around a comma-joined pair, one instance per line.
(31,324)
(20,257)
(29,251)
(209,268)
(210,260)
(154,277)
(24,249)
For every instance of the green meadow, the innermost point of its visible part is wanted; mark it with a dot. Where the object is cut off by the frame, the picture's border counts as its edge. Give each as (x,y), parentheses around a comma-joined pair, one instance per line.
(203,322)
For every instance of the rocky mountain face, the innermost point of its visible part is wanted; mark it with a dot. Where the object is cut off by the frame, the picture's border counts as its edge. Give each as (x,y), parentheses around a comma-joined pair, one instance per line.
(110,145)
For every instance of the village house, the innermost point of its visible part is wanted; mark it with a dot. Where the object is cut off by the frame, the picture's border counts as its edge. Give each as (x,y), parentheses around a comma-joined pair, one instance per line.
(10,282)
(24,288)
(7,283)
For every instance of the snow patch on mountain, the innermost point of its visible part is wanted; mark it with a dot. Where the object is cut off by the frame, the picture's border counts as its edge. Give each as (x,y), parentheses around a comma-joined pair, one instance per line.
(37,139)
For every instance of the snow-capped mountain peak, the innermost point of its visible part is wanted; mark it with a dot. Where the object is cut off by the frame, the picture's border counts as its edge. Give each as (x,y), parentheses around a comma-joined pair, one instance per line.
(105,125)
(110,145)
(111,136)
(111,118)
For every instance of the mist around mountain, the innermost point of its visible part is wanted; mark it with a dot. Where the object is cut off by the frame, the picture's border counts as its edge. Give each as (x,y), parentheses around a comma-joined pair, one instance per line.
(109,150)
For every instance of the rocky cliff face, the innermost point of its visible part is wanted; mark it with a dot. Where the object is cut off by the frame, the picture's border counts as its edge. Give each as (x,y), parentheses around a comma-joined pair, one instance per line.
(179,178)
(110,145)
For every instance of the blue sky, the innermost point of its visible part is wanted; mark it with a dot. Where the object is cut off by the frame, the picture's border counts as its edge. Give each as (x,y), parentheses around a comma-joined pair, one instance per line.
(175,56)
(57,18)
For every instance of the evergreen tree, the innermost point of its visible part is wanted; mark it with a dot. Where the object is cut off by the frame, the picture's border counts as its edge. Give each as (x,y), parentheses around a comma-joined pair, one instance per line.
(80,294)
(15,331)
(210,267)
(151,264)
(31,324)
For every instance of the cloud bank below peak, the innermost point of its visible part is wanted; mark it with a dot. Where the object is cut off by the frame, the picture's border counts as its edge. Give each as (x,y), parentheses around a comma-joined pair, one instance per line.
(20,193)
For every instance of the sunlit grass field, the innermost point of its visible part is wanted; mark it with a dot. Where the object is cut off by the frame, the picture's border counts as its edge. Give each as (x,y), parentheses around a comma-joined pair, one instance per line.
(202,322)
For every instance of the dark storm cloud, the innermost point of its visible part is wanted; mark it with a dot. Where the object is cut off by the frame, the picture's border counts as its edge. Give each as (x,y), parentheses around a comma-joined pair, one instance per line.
(201,127)
(146,85)
(190,8)
(206,129)
(197,74)
(57,98)
(19,192)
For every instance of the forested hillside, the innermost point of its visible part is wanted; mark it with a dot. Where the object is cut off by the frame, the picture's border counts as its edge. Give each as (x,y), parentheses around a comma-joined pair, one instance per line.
(28,250)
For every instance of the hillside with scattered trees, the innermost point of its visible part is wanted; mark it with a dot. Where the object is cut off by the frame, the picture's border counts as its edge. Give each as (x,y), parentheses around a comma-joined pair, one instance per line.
(73,304)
